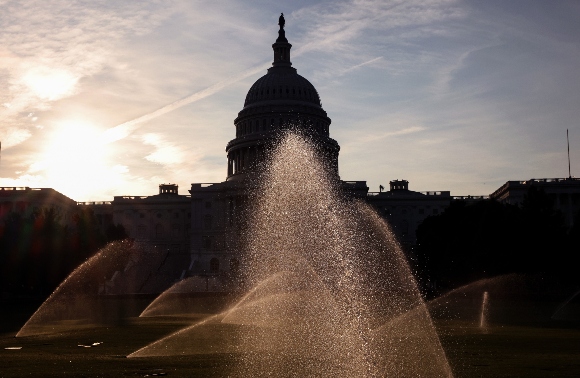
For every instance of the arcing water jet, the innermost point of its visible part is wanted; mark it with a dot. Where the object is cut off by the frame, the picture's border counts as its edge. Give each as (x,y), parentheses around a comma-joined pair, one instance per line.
(330,280)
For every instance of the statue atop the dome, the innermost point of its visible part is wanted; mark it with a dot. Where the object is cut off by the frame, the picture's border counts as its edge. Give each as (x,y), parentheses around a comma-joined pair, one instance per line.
(282,51)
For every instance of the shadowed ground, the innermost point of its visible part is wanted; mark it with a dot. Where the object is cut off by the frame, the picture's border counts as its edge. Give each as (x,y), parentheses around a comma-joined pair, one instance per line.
(502,351)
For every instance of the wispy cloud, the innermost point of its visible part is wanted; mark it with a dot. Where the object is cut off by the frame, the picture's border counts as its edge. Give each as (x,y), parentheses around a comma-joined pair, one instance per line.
(388,134)
(48,47)
(123,130)
(428,79)
(377,131)
(336,24)
(14,136)
(357,66)
(331,26)
(165,153)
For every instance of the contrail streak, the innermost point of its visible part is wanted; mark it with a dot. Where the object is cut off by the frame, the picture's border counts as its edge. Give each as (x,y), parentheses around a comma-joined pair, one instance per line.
(123,130)
(361,65)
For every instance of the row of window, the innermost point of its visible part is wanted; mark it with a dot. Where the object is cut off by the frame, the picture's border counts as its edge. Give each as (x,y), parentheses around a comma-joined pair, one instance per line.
(308,94)
(390,211)
(249,127)
(211,243)
(175,231)
(214,264)
(175,215)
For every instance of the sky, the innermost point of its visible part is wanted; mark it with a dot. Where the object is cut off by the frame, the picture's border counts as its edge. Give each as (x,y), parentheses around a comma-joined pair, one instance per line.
(106,98)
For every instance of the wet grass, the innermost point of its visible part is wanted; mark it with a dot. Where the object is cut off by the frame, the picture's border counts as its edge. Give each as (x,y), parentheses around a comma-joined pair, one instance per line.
(63,353)
(511,351)
(543,350)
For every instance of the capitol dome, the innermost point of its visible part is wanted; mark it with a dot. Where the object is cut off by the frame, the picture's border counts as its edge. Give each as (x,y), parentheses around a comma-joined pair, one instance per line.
(282,85)
(278,101)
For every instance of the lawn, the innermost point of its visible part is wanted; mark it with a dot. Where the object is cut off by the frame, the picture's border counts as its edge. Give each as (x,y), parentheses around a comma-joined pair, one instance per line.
(539,350)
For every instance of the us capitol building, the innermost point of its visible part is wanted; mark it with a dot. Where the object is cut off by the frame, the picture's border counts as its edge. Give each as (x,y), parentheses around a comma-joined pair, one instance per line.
(198,231)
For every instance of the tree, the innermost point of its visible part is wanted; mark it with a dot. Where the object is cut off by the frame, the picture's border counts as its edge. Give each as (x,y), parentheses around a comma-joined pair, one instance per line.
(487,238)
(39,251)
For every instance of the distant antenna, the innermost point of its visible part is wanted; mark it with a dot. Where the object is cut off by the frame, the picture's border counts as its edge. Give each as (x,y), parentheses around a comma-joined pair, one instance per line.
(568,140)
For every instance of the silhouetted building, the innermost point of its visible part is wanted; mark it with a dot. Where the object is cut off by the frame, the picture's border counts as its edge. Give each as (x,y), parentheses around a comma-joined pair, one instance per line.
(564,192)
(162,219)
(406,209)
(278,101)
(25,201)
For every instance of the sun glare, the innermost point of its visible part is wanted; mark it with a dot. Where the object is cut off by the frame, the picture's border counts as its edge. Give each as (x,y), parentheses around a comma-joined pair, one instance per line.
(74,160)
(50,84)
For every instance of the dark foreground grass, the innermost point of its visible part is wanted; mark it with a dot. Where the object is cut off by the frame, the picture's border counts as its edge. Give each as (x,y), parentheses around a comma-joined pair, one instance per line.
(60,354)
(544,350)
(511,351)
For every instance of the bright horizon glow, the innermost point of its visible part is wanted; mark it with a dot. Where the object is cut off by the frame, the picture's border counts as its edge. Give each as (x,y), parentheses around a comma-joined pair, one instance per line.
(74,159)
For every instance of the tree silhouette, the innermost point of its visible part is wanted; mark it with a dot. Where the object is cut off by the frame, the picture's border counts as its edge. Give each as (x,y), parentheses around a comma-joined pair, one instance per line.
(39,250)
(486,238)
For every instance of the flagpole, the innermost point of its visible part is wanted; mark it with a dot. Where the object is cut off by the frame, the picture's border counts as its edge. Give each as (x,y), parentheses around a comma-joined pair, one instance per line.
(568,140)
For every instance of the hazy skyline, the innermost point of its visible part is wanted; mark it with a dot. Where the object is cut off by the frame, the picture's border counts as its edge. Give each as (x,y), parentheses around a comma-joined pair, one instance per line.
(103,99)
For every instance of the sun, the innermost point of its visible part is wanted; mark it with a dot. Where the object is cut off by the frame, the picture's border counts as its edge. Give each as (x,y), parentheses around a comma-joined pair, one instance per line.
(74,159)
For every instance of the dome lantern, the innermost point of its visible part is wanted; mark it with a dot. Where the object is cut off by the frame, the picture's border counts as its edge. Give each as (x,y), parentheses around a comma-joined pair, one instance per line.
(281,47)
